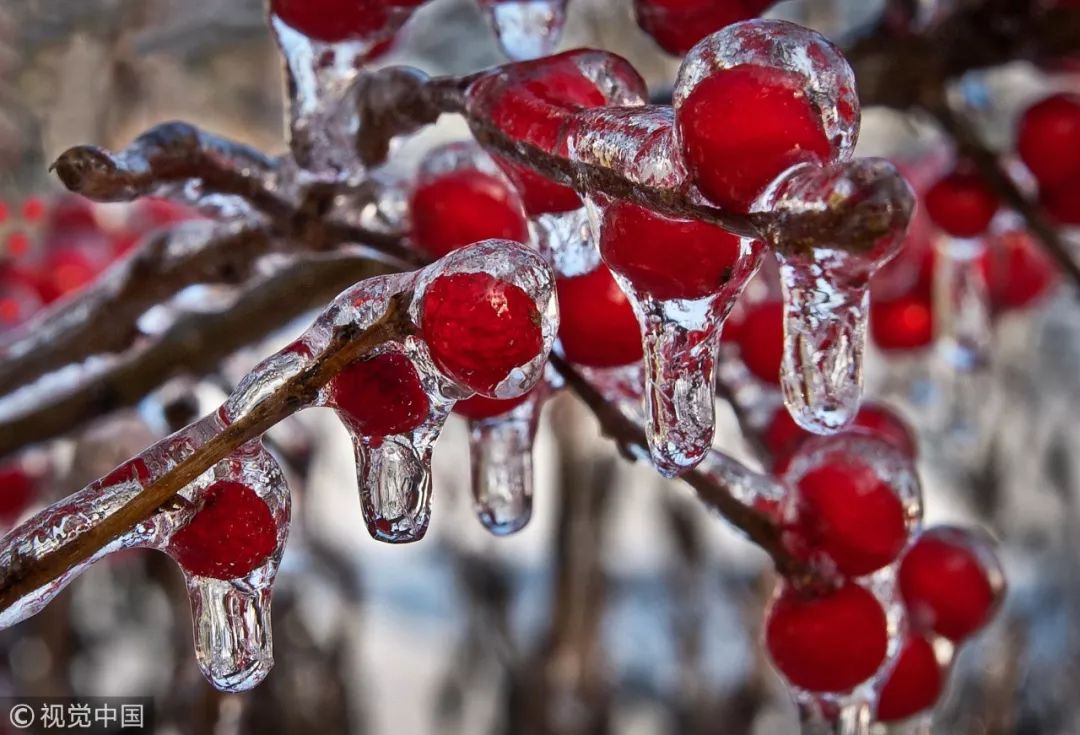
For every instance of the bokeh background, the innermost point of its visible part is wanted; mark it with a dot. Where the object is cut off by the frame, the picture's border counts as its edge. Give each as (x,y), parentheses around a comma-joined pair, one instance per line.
(623,607)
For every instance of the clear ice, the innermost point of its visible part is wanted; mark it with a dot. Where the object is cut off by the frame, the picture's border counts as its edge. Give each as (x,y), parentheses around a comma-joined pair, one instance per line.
(526,29)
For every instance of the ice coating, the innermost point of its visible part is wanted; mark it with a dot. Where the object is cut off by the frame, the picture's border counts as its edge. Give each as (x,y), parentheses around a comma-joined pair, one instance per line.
(526,29)
(231,617)
(829,79)
(864,207)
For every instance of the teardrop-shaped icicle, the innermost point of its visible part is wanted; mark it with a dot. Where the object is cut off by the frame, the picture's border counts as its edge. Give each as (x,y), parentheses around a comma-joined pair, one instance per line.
(233,640)
(394,475)
(961,303)
(682,342)
(526,29)
(502,466)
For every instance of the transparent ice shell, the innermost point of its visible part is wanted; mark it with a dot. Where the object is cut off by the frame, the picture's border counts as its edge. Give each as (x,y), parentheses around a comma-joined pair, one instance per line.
(526,29)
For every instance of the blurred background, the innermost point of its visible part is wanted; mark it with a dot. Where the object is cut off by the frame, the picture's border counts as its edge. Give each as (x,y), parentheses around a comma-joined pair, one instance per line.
(624,607)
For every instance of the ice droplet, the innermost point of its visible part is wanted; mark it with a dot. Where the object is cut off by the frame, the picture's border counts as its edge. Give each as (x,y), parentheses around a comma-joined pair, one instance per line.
(864,207)
(502,464)
(526,29)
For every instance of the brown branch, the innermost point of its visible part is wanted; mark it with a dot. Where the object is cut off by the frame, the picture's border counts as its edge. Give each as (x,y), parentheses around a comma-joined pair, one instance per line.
(347,343)
(194,345)
(971,147)
(758,527)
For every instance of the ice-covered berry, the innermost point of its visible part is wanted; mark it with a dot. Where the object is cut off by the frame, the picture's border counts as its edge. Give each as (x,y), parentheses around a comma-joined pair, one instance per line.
(381,395)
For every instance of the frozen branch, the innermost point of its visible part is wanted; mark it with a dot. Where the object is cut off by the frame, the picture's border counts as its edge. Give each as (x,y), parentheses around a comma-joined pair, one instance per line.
(195,345)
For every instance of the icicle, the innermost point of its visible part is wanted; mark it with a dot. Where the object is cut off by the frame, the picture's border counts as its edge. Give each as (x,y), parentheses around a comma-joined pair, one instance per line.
(826,284)
(526,29)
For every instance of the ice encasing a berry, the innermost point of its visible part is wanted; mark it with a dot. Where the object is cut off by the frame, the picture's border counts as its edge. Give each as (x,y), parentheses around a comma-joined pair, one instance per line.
(526,29)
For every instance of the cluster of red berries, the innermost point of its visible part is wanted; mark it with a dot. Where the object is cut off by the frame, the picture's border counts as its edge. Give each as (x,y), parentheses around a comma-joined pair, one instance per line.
(54,247)
(848,521)
(678,25)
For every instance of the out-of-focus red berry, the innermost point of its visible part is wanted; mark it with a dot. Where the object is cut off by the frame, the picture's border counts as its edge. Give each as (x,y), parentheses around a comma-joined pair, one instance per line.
(903,324)
(19,297)
(915,683)
(1062,202)
(1048,139)
(381,395)
(479,408)
(667,258)
(847,512)
(332,21)
(678,25)
(17,490)
(479,328)
(232,534)
(1018,270)
(829,642)
(946,584)
(66,270)
(33,209)
(742,127)
(17,244)
(72,213)
(597,326)
(961,204)
(761,340)
(463,207)
(534,109)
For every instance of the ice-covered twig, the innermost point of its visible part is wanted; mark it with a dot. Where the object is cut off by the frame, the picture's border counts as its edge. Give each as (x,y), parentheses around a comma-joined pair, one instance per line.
(101,318)
(194,345)
(971,147)
(758,526)
(347,343)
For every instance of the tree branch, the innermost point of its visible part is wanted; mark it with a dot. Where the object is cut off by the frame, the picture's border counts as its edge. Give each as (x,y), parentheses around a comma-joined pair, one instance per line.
(194,345)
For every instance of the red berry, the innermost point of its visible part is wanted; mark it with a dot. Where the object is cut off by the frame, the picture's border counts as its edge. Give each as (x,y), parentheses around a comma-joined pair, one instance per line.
(667,258)
(17,489)
(332,21)
(677,25)
(906,323)
(950,584)
(742,127)
(479,408)
(33,209)
(1048,139)
(232,534)
(479,328)
(961,204)
(19,297)
(1063,202)
(597,326)
(1018,270)
(761,340)
(462,207)
(65,270)
(534,108)
(827,643)
(915,683)
(847,512)
(72,213)
(381,395)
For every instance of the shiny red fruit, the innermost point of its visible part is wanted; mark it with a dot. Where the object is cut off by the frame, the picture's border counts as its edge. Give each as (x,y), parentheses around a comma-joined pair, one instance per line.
(903,324)
(847,512)
(534,110)
(678,25)
(742,127)
(232,534)
(479,408)
(462,207)
(332,21)
(946,586)
(1018,271)
(761,340)
(915,683)
(667,258)
(1048,139)
(961,204)
(1062,202)
(17,490)
(479,328)
(829,642)
(597,326)
(381,395)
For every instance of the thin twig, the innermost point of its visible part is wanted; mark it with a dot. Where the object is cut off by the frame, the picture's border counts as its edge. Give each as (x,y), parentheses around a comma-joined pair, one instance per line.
(347,343)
